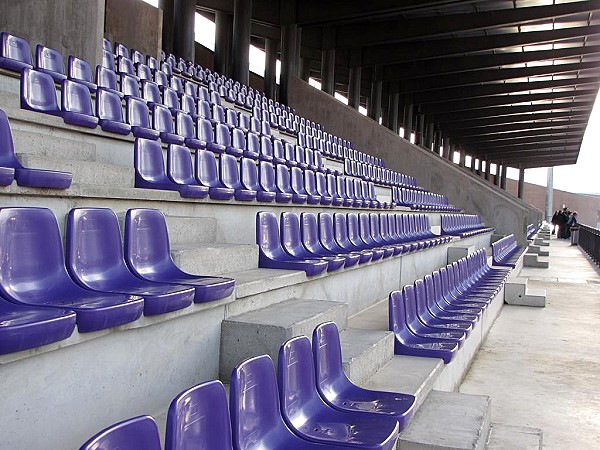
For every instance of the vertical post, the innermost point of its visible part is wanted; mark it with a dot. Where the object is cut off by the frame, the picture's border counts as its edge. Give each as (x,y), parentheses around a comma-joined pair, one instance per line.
(461,158)
(420,130)
(304,69)
(184,18)
(503,177)
(429,138)
(394,106)
(240,44)
(447,148)
(328,61)
(488,169)
(374,111)
(355,82)
(408,119)
(521,190)
(385,104)
(549,193)
(270,67)
(288,63)
(498,174)
(472,165)
(167,30)
(223,34)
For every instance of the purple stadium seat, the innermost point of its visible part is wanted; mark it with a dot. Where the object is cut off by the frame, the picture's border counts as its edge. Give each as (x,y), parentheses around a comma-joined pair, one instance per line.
(310,240)
(249,179)
(151,93)
(208,175)
(109,111)
(161,79)
(340,393)
(188,105)
(108,60)
(278,152)
(121,50)
(337,199)
(162,121)
(79,70)
(25,327)
(138,117)
(50,61)
(148,255)
(125,66)
(297,184)
(266,149)
(184,126)
(137,57)
(36,274)
(150,169)
(95,260)
(292,243)
(198,419)
(314,420)
(77,105)
(229,174)
(273,256)
(223,138)
(15,53)
(171,100)
(12,168)
(180,170)
(267,180)
(143,72)
(206,136)
(130,85)
(321,188)
(252,149)
(38,92)
(255,412)
(133,434)
(107,79)
(407,343)
(283,184)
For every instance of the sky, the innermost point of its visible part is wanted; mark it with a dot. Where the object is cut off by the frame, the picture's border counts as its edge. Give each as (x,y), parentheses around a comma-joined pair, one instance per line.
(582,177)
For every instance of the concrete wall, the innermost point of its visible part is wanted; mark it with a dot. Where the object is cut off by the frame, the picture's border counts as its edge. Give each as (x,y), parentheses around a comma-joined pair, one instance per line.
(496,207)
(74,27)
(134,23)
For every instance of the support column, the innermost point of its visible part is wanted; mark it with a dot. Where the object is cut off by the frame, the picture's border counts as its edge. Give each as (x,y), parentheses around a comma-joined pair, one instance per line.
(521,190)
(461,158)
(223,34)
(446,146)
(354,87)
(503,177)
(328,61)
(385,104)
(478,170)
(240,44)
(488,168)
(549,193)
(420,137)
(184,17)
(429,138)
(270,67)
(288,60)
(167,29)
(304,72)
(408,119)
(472,165)
(374,110)
(394,98)
(498,174)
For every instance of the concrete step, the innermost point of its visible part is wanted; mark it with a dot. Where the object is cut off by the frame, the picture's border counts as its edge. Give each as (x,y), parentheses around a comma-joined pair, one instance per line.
(215,259)
(84,172)
(541,242)
(365,352)
(263,331)
(407,374)
(31,142)
(449,421)
(516,292)
(535,249)
(184,230)
(533,260)
(374,318)
(503,437)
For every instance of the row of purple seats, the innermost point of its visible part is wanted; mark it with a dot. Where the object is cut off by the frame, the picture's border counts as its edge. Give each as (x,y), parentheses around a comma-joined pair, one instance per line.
(11,168)
(332,242)
(309,404)
(421,200)
(463,225)
(105,284)
(434,316)
(506,252)
(377,174)
(532,230)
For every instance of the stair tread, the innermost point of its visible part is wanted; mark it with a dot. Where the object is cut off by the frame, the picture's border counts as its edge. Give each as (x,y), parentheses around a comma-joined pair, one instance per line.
(256,281)
(514,437)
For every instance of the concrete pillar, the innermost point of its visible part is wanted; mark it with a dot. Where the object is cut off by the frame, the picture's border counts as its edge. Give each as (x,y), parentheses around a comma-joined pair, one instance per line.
(521,190)
(304,72)
(374,110)
(223,34)
(288,59)
(549,193)
(354,87)
(488,167)
(394,99)
(167,28)
(328,71)
(429,137)
(420,138)
(498,174)
(478,166)
(240,44)
(184,17)
(409,126)
(445,142)
(503,176)
(385,104)
(270,67)
(461,158)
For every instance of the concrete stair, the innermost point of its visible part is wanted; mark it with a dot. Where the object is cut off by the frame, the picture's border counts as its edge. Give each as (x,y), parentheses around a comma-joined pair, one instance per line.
(215,258)
(533,260)
(516,292)
(504,437)
(541,242)
(535,249)
(262,331)
(365,352)
(185,230)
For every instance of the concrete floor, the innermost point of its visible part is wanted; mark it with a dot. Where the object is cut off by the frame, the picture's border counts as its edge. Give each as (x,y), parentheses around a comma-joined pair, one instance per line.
(541,366)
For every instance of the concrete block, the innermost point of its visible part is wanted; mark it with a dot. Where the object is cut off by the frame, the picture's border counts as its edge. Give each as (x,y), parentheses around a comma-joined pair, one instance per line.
(407,374)
(533,260)
(458,252)
(504,437)
(215,259)
(449,421)
(191,230)
(536,249)
(517,293)
(263,331)
(365,352)
(541,242)
(84,172)
(259,281)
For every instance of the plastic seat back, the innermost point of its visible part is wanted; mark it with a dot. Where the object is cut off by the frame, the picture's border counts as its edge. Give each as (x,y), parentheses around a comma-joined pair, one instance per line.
(162,119)
(327,356)
(106,78)
(108,60)
(229,171)
(108,106)
(283,179)
(51,61)
(130,87)
(80,70)
(297,181)
(8,158)
(198,419)
(184,124)
(15,53)
(137,113)
(206,169)
(149,165)
(180,168)
(266,174)
(150,92)
(249,174)
(133,434)
(38,92)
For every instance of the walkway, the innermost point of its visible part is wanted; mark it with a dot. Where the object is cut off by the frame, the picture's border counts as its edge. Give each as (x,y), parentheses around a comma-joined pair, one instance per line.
(541,366)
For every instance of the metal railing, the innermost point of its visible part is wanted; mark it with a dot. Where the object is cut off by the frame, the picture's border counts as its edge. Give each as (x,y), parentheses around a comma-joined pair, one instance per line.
(589,241)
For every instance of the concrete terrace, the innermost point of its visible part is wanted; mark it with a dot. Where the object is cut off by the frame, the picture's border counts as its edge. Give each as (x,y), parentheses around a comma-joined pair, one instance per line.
(541,366)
